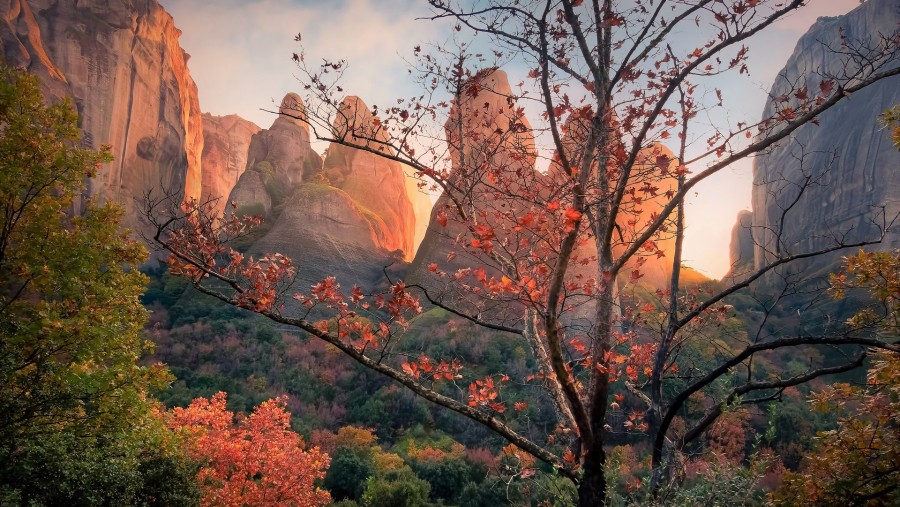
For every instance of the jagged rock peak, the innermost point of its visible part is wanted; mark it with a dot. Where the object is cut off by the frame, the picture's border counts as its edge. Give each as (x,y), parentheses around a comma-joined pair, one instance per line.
(354,122)
(488,115)
(293,109)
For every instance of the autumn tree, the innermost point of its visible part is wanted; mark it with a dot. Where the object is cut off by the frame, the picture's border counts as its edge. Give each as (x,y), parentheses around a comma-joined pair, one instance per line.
(859,461)
(256,460)
(75,419)
(548,256)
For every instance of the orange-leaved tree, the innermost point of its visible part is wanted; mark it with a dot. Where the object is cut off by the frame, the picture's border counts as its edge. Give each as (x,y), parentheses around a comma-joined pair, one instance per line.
(254,460)
(547,247)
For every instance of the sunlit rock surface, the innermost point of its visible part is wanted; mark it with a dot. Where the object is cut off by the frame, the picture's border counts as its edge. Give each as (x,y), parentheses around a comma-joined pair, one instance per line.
(375,183)
(226,142)
(123,68)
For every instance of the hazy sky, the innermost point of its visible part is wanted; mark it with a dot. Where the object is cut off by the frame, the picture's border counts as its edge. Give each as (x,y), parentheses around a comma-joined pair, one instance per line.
(240,59)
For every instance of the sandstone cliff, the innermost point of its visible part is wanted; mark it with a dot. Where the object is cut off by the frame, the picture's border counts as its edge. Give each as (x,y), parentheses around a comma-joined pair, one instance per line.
(277,161)
(349,216)
(226,142)
(848,158)
(122,66)
(373,182)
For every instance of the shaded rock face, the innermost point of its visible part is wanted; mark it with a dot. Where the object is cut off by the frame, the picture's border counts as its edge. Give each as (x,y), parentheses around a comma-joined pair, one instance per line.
(374,183)
(848,158)
(285,145)
(277,161)
(740,253)
(122,66)
(251,195)
(226,141)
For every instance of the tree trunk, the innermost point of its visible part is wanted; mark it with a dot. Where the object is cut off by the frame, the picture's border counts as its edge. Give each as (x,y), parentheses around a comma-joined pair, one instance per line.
(592,488)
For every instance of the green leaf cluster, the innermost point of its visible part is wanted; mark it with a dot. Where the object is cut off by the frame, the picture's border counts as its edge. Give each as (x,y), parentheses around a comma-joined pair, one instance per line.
(75,418)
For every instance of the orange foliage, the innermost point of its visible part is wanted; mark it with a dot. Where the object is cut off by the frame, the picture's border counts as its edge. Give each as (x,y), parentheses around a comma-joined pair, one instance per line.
(256,461)
(355,438)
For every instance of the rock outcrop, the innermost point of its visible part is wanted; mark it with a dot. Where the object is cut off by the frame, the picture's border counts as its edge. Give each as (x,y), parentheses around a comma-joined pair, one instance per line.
(348,217)
(278,160)
(376,184)
(122,66)
(328,234)
(226,142)
(740,254)
(493,154)
(492,134)
(848,159)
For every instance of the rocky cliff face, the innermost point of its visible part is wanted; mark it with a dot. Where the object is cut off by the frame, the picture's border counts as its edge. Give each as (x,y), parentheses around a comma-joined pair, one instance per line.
(375,183)
(277,161)
(848,159)
(226,141)
(349,216)
(122,66)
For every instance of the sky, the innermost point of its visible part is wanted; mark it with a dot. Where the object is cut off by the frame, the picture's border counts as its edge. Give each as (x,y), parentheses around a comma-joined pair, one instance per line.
(241,61)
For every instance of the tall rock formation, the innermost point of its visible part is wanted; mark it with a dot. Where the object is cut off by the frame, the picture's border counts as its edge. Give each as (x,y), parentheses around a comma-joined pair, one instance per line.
(492,155)
(484,131)
(491,142)
(278,160)
(848,157)
(349,217)
(226,142)
(740,254)
(373,182)
(122,66)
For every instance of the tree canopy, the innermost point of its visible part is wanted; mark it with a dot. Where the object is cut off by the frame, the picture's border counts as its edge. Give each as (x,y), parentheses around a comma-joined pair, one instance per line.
(75,420)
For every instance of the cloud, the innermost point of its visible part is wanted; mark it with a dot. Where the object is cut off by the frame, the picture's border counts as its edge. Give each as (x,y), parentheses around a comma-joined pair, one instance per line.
(241,50)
